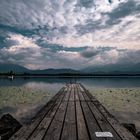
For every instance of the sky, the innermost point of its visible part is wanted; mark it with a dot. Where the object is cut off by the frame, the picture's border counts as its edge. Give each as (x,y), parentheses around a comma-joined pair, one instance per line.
(41,34)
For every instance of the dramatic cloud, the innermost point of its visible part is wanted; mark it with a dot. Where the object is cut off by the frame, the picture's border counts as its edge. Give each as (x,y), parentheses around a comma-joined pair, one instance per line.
(69,33)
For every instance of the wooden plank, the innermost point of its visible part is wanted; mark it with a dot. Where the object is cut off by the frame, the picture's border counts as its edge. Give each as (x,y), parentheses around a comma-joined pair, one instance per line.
(82,90)
(81,98)
(26,130)
(43,126)
(121,131)
(61,91)
(67,93)
(72,94)
(90,120)
(76,96)
(81,126)
(54,131)
(103,123)
(73,114)
(69,129)
(83,93)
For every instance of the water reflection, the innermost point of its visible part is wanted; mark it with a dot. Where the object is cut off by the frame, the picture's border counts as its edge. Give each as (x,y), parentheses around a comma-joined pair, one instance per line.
(94,81)
(24,97)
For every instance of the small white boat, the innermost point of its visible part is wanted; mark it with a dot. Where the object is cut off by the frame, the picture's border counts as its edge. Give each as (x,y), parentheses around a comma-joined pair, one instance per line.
(11,77)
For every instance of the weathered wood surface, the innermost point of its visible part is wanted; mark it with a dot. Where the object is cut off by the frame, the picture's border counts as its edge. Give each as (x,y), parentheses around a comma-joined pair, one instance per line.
(73,114)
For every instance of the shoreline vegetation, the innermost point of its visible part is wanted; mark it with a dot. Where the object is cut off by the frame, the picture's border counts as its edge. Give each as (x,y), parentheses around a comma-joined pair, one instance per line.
(27,75)
(67,73)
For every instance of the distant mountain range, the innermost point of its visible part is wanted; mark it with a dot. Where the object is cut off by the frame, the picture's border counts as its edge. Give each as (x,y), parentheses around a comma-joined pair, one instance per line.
(5,68)
(114,68)
(103,69)
(12,67)
(54,71)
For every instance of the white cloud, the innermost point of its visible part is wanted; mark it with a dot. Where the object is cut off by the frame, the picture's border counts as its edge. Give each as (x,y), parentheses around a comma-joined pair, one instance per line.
(71,23)
(57,16)
(35,57)
(21,43)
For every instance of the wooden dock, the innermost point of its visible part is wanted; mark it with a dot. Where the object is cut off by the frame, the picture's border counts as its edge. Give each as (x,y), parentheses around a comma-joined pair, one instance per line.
(73,114)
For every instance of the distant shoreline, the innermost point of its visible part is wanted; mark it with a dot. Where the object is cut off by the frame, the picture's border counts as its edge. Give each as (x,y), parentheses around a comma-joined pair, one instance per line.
(70,75)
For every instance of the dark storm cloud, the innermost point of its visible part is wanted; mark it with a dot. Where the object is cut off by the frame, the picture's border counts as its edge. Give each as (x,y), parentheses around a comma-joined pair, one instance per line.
(110,1)
(124,9)
(89,26)
(26,32)
(55,19)
(70,58)
(112,56)
(93,52)
(56,47)
(114,17)
(29,30)
(85,3)
(5,42)
(130,56)
(12,11)
(89,54)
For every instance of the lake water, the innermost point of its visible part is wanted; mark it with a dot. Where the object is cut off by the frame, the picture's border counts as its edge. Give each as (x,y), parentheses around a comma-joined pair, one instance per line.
(24,97)
(111,82)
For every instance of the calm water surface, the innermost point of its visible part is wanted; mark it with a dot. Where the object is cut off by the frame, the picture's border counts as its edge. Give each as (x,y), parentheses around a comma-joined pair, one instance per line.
(24,97)
(108,82)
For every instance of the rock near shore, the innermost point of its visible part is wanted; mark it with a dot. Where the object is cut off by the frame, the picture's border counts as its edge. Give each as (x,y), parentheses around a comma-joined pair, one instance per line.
(8,126)
(132,128)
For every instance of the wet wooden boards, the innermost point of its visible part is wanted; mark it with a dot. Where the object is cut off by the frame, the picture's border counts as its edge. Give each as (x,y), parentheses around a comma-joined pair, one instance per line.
(73,114)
